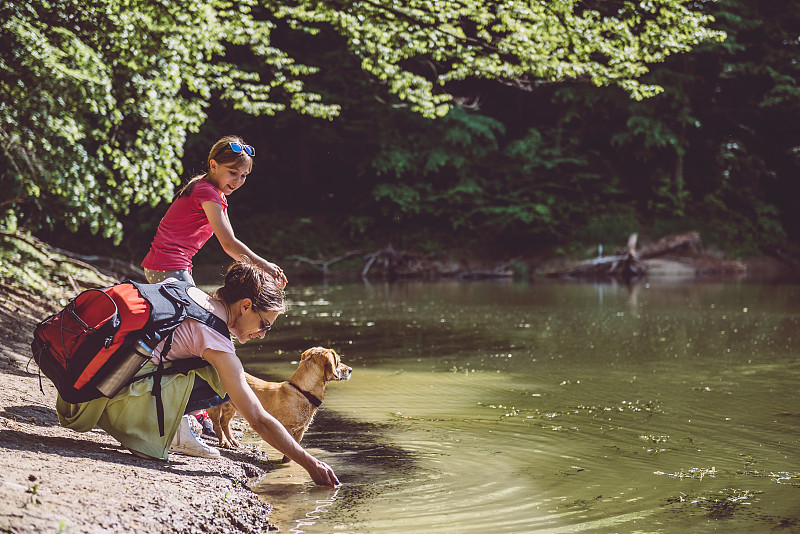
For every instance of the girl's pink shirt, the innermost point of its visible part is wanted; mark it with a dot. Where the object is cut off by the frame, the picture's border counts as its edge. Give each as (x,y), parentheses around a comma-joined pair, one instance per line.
(191,339)
(183,230)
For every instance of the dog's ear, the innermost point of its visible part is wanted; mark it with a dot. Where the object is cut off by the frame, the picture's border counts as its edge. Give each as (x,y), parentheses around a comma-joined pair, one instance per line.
(310,352)
(331,365)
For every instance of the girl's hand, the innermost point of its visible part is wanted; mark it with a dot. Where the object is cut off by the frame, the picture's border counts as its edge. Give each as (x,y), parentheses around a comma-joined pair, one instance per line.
(276,272)
(281,278)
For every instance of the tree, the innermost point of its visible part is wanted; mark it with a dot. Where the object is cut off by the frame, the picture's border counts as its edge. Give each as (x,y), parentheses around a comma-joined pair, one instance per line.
(419,46)
(97,98)
(753,119)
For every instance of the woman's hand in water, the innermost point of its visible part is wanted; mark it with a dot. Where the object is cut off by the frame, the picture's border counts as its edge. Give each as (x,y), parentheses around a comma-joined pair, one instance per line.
(322,474)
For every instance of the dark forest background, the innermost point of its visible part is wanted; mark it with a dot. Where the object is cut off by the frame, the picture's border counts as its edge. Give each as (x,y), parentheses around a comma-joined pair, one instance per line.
(521,172)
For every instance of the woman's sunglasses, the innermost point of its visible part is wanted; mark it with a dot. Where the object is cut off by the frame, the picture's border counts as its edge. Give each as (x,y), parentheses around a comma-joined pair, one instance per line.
(265,326)
(238,147)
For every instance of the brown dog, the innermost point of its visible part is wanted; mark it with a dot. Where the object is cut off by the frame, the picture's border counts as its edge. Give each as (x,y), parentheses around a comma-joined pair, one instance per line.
(294,402)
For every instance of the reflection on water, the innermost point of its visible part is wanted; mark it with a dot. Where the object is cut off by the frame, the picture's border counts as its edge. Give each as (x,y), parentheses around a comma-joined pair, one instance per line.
(504,407)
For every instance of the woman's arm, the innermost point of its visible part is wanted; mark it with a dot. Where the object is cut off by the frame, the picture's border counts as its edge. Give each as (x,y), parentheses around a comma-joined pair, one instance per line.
(231,245)
(270,429)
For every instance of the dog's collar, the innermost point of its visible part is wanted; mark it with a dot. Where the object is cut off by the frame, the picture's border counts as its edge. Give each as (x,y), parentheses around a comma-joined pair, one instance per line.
(311,398)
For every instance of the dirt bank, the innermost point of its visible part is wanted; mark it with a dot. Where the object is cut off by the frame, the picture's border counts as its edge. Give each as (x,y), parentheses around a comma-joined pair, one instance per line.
(56,480)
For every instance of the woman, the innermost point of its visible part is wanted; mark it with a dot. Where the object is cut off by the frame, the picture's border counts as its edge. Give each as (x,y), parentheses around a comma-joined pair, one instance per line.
(249,302)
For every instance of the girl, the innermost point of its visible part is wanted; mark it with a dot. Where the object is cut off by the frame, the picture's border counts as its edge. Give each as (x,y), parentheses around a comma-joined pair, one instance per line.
(200,209)
(249,302)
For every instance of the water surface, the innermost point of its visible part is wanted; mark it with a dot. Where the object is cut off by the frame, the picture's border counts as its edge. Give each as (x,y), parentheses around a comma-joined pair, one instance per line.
(552,407)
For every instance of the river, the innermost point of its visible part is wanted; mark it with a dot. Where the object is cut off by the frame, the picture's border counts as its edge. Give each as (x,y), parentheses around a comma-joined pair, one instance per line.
(665,406)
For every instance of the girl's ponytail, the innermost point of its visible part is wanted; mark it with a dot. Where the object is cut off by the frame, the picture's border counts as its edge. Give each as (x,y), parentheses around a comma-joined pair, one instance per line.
(187,189)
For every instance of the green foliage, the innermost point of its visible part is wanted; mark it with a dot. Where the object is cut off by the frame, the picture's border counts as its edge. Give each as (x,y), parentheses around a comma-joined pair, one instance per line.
(587,165)
(440,170)
(736,204)
(716,151)
(463,172)
(418,47)
(610,229)
(97,99)
(751,192)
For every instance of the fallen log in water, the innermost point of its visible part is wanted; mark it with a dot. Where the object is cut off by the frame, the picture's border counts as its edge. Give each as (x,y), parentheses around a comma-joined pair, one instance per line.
(689,241)
(391,263)
(323,265)
(625,266)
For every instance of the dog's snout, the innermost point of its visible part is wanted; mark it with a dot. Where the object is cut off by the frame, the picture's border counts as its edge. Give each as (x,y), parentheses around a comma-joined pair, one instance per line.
(347,371)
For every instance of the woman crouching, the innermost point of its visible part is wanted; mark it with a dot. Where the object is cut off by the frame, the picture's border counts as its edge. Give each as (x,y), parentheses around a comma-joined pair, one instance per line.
(249,302)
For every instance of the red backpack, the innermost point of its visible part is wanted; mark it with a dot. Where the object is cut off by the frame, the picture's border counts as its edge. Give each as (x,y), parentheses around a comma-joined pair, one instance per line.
(88,340)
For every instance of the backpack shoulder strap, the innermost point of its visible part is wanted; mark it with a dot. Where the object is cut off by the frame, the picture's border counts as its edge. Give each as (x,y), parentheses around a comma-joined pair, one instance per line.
(176,296)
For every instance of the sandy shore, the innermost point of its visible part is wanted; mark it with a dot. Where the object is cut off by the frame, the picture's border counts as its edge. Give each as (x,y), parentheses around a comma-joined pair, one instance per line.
(56,480)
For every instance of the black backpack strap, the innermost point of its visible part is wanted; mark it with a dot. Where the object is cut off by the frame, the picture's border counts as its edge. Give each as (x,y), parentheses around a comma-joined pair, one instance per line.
(183,366)
(176,367)
(177,292)
(156,391)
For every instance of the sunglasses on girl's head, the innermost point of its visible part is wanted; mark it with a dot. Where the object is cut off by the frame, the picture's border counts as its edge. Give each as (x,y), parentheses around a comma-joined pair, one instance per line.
(238,147)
